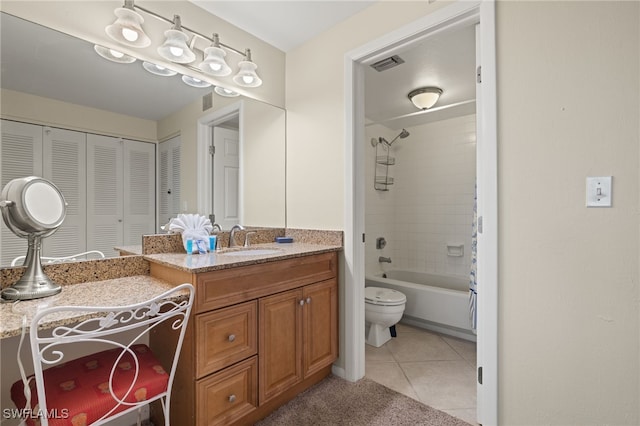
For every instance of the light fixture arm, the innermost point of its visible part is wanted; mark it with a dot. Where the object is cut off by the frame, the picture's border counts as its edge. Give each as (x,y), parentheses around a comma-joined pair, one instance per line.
(182,27)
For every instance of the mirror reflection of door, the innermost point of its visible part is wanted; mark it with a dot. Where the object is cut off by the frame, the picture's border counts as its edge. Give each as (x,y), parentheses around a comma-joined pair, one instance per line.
(168,180)
(226,173)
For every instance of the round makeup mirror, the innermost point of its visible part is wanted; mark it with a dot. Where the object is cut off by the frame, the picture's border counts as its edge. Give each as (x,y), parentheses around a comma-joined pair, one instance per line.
(33,208)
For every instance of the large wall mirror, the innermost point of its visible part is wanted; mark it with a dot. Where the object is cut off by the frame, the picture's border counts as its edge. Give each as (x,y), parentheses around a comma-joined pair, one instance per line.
(58,81)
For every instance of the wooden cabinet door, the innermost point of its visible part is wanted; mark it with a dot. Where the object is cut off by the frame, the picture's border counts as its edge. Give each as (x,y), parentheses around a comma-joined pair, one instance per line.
(225,336)
(226,396)
(320,337)
(280,347)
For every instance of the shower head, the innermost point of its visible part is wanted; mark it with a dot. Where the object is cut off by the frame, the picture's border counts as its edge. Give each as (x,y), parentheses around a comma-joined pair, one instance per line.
(403,134)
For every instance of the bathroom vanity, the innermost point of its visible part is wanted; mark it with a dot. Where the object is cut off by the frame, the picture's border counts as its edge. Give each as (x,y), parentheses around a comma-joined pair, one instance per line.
(264,329)
(264,325)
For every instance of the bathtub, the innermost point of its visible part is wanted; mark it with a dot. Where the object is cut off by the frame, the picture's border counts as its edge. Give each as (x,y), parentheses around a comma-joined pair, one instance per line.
(435,302)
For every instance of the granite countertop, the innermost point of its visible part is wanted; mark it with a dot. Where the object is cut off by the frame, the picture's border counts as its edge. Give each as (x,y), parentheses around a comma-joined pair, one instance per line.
(129,250)
(197,263)
(113,292)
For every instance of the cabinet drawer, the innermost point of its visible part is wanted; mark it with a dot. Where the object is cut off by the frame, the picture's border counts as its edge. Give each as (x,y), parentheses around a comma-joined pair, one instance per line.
(224,397)
(225,336)
(228,286)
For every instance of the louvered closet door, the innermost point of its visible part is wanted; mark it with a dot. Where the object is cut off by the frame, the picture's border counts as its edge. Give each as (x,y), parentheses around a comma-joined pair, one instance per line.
(139,191)
(64,164)
(20,156)
(104,194)
(169,180)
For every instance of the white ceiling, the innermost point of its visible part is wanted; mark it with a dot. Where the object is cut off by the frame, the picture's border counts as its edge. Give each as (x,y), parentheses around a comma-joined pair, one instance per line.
(446,60)
(283,24)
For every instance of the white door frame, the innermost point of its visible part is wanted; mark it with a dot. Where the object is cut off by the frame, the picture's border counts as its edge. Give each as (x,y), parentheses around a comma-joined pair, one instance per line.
(455,14)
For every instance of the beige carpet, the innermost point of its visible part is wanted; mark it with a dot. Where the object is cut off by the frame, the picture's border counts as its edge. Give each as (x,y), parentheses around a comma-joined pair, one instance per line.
(335,401)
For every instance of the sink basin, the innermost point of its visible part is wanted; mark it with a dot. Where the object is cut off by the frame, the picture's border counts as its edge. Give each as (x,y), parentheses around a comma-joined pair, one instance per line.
(251,252)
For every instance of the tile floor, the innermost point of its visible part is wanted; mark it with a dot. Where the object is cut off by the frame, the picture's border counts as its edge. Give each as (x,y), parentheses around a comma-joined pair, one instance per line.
(435,369)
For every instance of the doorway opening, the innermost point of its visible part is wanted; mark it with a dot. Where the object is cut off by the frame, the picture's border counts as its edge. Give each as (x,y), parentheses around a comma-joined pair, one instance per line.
(219,157)
(453,16)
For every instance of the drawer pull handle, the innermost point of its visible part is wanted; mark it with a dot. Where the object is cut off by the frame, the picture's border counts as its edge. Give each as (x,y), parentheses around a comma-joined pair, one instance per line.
(302,302)
(232,398)
(308,300)
(232,337)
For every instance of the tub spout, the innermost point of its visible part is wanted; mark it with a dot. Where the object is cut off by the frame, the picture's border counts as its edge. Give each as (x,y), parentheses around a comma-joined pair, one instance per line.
(383,259)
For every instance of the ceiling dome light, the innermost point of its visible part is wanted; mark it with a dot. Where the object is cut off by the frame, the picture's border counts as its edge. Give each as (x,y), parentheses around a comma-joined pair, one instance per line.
(175,47)
(214,63)
(158,70)
(425,97)
(195,82)
(247,76)
(127,29)
(113,55)
(222,91)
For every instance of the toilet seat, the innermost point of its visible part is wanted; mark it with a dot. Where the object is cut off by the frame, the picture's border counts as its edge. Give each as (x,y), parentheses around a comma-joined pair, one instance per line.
(383,296)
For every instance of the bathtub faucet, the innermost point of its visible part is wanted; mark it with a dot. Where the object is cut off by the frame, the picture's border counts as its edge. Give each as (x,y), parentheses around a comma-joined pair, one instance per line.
(383,259)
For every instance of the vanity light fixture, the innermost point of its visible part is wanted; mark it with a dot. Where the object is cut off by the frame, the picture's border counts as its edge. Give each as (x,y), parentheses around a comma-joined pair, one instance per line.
(178,49)
(223,91)
(127,29)
(195,82)
(214,63)
(425,97)
(113,55)
(175,47)
(158,69)
(246,76)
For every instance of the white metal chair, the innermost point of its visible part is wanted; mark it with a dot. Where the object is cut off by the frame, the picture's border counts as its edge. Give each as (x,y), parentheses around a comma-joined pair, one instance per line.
(124,377)
(99,255)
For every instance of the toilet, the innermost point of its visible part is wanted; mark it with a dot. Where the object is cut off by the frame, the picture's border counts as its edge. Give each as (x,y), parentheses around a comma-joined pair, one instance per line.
(383,308)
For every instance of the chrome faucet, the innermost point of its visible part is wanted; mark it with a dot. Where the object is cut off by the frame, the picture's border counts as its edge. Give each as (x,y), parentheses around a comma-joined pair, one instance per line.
(232,234)
(383,259)
(215,225)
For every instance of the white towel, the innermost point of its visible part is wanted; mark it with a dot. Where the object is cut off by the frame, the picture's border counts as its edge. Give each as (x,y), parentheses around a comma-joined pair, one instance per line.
(192,226)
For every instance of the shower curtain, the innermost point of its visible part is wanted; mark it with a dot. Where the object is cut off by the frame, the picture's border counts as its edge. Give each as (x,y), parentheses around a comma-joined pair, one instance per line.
(473,283)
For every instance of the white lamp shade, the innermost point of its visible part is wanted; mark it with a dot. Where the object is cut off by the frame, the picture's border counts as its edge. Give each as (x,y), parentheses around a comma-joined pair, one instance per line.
(113,55)
(175,48)
(425,97)
(195,82)
(127,29)
(246,76)
(214,63)
(158,70)
(222,91)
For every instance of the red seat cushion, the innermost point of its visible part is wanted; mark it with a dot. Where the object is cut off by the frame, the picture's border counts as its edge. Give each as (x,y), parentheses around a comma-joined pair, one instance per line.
(78,390)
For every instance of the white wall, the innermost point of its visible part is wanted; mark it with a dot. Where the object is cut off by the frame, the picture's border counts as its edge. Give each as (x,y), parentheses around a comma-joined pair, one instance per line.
(569,281)
(315,112)
(28,108)
(430,204)
(569,310)
(379,207)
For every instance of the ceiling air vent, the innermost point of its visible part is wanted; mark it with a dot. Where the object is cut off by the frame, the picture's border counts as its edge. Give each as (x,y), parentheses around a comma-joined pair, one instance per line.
(207,101)
(387,63)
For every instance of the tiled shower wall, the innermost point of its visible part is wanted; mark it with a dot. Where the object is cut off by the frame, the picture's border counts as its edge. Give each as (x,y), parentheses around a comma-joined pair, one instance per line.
(430,204)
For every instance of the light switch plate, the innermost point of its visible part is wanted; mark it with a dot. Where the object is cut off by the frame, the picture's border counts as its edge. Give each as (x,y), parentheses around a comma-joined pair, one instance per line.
(599,191)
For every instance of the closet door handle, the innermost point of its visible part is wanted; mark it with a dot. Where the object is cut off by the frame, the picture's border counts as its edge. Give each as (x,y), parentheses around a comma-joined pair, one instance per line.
(302,302)
(308,300)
